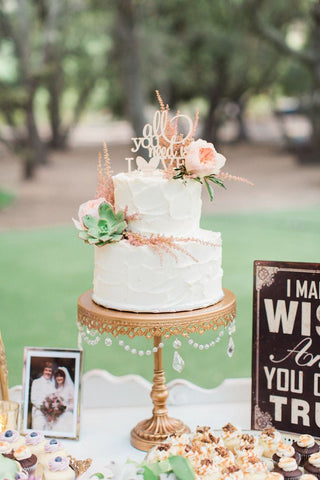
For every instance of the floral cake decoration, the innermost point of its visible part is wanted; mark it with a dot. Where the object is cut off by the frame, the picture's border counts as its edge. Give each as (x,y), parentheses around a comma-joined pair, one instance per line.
(181,157)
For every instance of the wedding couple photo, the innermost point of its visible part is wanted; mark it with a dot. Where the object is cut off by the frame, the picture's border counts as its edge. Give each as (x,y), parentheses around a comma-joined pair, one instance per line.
(51,391)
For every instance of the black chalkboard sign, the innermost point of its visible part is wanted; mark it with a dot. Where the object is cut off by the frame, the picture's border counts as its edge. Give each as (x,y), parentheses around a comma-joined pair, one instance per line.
(286,347)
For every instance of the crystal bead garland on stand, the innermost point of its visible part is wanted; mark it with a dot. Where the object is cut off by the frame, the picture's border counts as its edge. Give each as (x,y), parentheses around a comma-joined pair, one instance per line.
(94,321)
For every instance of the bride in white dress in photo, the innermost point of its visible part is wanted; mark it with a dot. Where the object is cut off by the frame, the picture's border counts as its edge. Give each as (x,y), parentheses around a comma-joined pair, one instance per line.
(64,387)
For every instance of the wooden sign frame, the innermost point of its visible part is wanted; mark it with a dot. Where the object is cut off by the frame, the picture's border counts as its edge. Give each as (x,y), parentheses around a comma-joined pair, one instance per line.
(286,347)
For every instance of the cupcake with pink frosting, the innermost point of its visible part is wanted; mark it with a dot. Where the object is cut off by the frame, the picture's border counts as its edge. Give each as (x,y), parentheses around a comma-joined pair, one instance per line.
(59,469)
(52,448)
(13,438)
(312,465)
(306,446)
(288,467)
(36,442)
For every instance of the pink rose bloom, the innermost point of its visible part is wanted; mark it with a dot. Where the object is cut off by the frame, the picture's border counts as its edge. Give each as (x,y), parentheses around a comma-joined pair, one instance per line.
(90,208)
(202,159)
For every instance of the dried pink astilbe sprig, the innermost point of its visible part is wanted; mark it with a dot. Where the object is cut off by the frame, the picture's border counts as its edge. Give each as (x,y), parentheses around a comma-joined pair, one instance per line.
(131,218)
(105,187)
(228,176)
(160,244)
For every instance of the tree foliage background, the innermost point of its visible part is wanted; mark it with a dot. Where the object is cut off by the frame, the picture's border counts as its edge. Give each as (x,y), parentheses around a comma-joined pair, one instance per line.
(61,58)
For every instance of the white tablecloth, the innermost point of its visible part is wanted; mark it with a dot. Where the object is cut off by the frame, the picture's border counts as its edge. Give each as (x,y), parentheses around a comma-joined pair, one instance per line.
(105,432)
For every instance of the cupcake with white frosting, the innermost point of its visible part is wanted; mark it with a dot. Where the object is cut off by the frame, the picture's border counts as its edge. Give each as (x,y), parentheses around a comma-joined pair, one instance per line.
(312,465)
(231,436)
(254,469)
(306,446)
(27,460)
(233,472)
(59,469)
(269,439)
(286,450)
(6,449)
(274,476)
(288,467)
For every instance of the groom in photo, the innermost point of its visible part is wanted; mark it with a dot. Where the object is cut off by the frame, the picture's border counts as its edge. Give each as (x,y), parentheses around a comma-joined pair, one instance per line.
(40,389)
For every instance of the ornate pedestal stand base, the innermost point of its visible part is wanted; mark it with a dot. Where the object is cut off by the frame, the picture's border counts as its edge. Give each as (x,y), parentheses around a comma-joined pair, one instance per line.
(151,432)
(155,325)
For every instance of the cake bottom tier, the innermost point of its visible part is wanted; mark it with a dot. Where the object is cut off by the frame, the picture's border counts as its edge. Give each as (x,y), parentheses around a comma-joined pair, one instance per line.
(139,279)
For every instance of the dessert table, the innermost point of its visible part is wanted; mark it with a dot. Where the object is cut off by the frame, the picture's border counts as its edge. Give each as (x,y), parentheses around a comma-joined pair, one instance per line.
(107,418)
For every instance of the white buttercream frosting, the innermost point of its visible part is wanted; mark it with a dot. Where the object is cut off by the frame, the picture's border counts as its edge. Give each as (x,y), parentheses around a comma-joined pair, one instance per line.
(22,453)
(287,464)
(285,450)
(274,476)
(127,277)
(314,459)
(168,207)
(305,441)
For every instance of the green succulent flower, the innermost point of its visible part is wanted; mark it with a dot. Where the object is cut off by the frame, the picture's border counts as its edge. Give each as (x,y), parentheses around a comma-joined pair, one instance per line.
(108,228)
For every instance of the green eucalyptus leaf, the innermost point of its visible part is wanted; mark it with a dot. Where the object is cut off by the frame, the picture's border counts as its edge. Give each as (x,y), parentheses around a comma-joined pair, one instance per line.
(182,468)
(209,188)
(148,474)
(216,180)
(106,212)
(89,221)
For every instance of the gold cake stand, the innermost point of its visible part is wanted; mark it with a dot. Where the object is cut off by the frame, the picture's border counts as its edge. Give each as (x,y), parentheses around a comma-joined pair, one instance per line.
(154,430)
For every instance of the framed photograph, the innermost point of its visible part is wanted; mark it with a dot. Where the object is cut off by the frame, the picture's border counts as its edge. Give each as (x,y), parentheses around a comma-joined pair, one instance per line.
(51,391)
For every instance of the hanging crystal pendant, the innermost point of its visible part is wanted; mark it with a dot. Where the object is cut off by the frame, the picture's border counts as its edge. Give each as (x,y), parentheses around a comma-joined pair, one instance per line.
(230,349)
(178,362)
(176,343)
(108,342)
(232,328)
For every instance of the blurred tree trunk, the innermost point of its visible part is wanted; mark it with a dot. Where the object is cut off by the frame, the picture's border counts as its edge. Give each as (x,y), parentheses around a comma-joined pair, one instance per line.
(127,30)
(212,122)
(308,55)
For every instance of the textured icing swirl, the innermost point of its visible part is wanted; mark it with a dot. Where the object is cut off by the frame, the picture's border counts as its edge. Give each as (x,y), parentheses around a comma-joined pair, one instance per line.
(58,464)
(22,453)
(314,459)
(305,441)
(285,450)
(5,447)
(133,278)
(34,438)
(288,464)
(10,436)
(274,476)
(169,207)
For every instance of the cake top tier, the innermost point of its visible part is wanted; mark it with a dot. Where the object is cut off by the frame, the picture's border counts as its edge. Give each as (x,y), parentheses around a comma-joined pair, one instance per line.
(159,195)
(157,205)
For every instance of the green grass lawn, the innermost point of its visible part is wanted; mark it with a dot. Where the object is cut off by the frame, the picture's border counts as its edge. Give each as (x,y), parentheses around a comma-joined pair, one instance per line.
(44,271)
(5,198)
